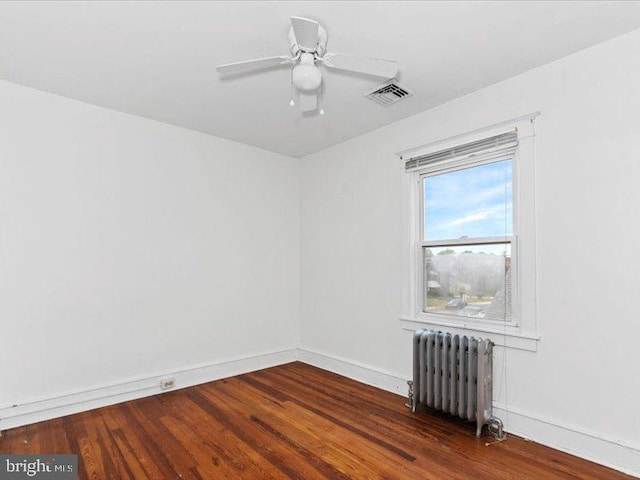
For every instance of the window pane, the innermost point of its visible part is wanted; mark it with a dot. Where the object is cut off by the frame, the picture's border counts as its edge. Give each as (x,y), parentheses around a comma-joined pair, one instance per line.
(469,281)
(474,202)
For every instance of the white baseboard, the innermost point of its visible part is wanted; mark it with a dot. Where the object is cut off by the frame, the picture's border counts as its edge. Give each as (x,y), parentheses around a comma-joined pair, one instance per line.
(593,446)
(616,454)
(33,411)
(355,370)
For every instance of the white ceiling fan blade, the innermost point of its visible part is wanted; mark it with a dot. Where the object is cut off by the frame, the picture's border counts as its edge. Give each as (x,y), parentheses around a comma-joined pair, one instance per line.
(369,66)
(306,33)
(250,65)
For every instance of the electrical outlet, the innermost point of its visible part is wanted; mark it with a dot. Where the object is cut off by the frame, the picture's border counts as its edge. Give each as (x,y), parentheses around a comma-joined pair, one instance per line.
(167,383)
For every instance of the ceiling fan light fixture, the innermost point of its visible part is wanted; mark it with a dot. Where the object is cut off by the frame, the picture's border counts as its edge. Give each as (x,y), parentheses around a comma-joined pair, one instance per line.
(307,77)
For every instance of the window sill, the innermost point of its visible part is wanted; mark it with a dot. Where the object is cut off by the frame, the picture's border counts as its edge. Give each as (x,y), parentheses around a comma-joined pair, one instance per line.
(509,337)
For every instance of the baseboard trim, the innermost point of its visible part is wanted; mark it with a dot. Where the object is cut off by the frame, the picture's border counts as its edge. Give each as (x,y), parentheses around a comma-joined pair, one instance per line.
(617,454)
(355,370)
(32,411)
(612,453)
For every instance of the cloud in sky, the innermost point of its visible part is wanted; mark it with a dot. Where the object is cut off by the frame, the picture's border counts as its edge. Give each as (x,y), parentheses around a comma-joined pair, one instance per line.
(474,217)
(478,216)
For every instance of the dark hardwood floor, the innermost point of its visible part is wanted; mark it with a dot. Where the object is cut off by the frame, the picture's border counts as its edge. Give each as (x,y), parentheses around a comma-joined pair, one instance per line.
(291,421)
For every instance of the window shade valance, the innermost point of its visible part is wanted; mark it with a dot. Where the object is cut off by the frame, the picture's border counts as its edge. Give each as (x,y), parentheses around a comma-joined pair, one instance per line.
(484,149)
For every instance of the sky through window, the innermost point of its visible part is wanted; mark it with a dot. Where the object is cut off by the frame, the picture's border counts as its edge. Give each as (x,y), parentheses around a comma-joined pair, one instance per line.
(472,202)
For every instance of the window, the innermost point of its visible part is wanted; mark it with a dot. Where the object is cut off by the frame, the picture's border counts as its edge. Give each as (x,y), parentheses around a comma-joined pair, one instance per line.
(471,226)
(467,236)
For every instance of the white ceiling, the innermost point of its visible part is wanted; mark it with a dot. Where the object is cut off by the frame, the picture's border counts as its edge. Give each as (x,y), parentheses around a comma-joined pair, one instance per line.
(157,59)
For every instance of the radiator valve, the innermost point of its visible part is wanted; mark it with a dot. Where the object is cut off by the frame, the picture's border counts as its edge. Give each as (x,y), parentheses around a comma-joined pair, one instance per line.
(496,428)
(409,403)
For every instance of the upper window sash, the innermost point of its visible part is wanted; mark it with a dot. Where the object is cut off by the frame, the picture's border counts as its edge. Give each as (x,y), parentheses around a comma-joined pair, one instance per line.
(468,235)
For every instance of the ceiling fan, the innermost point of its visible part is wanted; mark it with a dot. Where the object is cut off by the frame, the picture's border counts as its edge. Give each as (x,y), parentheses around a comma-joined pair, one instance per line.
(307,46)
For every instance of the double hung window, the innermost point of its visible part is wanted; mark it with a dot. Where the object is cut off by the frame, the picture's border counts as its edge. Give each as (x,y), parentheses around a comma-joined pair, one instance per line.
(467,240)
(470,221)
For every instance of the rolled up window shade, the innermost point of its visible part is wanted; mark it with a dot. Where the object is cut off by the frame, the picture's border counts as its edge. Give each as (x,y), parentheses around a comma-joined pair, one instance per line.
(484,149)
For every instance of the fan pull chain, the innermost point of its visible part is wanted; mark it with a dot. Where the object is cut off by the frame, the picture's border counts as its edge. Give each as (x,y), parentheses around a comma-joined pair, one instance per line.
(292,103)
(321,97)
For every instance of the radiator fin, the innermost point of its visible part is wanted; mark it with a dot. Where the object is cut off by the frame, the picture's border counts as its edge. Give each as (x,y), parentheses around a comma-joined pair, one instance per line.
(453,375)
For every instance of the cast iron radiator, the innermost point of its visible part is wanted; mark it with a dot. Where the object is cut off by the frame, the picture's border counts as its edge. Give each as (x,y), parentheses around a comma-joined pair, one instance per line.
(453,373)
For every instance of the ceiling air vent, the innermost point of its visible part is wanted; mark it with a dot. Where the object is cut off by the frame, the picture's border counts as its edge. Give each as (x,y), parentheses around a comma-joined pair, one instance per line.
(388,93)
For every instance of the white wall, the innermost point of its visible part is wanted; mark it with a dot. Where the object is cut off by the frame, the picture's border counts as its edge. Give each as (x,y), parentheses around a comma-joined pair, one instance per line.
(131,248)
(583,382)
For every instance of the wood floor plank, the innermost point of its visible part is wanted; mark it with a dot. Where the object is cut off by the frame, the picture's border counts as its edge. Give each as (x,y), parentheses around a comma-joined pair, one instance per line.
(146,443)
(175,455)
(293,421)
(131,446)
(280,455)
(241,460)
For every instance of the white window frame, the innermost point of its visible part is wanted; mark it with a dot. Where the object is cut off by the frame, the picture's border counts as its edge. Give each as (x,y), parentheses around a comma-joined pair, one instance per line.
(520,331)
